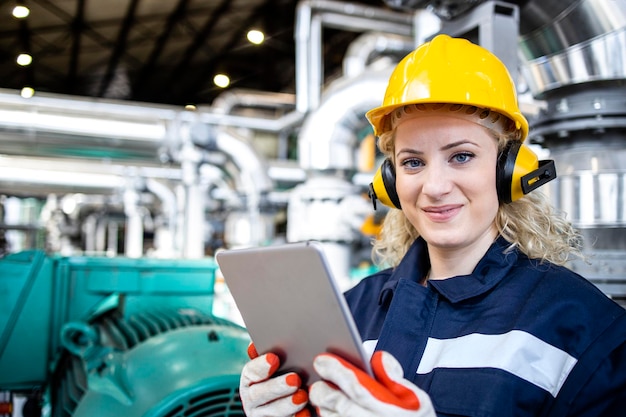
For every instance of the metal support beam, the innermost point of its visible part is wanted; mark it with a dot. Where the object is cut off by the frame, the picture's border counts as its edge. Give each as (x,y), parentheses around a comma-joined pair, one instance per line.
(494,25)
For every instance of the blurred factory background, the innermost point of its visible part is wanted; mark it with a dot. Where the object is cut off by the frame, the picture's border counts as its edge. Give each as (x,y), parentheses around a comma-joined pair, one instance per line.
(124,167)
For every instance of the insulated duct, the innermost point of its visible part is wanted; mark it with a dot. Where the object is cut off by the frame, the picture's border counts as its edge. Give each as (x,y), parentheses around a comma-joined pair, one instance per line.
(328,139)
(370,46)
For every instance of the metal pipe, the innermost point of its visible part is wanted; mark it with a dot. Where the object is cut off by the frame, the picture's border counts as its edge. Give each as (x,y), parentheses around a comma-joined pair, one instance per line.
(311,16)
(168,200)
(328,137)
(48,125)
(252,166)
(43,176)
(29,181)
(228,101)
(133,238)
(370,45)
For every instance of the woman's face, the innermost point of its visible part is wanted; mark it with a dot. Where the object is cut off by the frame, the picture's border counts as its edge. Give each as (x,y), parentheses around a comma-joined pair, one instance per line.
(445,180)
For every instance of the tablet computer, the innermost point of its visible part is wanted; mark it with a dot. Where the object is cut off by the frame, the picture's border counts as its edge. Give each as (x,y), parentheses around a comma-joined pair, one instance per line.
(291,305)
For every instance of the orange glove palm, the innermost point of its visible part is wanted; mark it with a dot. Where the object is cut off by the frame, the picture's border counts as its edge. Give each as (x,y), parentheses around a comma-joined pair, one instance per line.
(349,392)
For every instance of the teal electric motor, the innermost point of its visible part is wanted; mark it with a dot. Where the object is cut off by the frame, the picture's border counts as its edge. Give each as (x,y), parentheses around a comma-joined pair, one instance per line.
(99,337)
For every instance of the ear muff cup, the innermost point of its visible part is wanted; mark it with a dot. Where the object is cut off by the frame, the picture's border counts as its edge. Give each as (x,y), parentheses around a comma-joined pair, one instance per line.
(383,186)
(518,172)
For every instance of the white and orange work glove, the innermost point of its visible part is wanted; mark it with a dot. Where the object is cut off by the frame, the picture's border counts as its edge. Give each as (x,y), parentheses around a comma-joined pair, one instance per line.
(265,396)
(347,391)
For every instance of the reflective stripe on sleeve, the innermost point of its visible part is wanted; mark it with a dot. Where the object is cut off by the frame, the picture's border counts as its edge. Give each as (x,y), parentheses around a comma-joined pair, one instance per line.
(516,352)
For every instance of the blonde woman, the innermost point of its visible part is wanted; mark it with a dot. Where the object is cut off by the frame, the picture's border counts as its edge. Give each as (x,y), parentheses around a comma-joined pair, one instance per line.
(475,313)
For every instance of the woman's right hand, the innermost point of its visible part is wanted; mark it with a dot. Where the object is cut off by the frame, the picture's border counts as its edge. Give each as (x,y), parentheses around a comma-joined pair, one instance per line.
(263,395)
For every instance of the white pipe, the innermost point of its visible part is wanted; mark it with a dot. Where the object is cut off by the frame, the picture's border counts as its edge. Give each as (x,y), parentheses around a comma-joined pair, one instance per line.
(370,45)
(193,222)
(226,102)
(251,164)
(45,175)
(47,124)
(112,240)
(133,238)
(311,17)
(328,139)
(16,180)
(168,199)
(89,232)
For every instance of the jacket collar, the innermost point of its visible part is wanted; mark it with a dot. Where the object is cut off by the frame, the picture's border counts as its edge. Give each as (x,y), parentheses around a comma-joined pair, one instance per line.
(489,271)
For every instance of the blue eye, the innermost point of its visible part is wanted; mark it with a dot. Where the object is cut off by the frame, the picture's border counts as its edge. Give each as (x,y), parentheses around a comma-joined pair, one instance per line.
(412,163)
(462,157)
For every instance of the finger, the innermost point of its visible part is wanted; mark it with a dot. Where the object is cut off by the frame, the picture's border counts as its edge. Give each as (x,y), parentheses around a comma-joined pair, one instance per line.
(252,353)
(389,373)
(259,369)
(282,392)
(293,405)
(301,397)
(331,402)
(305,412)
(350,379)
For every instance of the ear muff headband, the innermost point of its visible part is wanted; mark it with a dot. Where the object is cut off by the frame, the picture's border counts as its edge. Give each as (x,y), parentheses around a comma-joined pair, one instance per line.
(505,168)
(518,172)
(383,186)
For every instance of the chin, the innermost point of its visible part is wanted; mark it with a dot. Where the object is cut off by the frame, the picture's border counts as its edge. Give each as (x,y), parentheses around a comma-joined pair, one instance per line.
(444,241)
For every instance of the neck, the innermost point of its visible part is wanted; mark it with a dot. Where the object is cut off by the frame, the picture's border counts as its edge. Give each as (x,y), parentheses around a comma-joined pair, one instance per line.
(450,262)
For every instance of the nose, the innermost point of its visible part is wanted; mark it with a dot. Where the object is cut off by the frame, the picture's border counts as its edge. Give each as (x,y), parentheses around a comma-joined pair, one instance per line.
(437,181)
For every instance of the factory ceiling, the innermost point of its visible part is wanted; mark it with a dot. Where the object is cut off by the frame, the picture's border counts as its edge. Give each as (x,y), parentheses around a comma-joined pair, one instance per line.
(156,51)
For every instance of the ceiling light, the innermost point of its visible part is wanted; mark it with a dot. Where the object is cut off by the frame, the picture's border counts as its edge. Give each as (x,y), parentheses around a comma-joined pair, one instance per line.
(221,80)
(20,12)
(24,59)
(27,92)
(256,37)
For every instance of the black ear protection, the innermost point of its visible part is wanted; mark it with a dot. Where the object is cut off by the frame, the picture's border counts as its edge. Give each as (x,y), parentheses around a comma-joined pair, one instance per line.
(518,172)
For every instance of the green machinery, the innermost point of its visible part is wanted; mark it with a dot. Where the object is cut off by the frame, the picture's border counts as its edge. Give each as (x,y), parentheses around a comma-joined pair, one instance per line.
(91,336)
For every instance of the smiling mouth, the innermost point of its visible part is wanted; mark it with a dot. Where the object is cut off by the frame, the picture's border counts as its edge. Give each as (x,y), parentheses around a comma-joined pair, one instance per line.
(441,213)
(438,210)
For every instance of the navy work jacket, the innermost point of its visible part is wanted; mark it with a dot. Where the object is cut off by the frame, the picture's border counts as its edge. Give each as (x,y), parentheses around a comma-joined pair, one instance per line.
(514,338)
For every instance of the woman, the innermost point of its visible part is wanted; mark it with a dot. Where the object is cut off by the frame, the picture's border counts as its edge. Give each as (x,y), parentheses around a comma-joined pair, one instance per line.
(476,314)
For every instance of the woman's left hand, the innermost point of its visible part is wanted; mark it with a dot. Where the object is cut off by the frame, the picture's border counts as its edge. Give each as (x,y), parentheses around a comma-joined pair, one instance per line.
(347,391)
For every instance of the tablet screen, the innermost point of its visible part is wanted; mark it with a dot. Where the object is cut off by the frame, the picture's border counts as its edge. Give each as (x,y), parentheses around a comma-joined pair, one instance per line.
(291,305)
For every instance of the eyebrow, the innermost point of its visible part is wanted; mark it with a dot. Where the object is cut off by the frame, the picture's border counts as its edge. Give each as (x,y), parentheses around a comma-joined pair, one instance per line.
(457,143)
(443,148)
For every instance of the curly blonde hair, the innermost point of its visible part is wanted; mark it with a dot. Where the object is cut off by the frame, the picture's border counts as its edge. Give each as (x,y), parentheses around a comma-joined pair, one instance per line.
(530,223)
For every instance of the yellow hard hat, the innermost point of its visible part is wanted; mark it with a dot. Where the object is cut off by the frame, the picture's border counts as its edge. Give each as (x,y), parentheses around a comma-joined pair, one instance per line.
(450,70)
